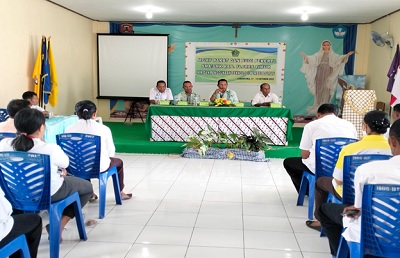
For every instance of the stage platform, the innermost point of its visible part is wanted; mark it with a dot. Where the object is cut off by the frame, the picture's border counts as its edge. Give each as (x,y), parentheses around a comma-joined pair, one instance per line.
(132,138)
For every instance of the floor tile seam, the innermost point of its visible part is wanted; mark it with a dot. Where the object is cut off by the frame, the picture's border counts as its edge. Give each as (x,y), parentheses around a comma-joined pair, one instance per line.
(156,207)
(198,212)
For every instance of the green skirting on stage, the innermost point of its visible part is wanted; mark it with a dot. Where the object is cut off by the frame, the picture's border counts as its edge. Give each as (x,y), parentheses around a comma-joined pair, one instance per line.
(133,138)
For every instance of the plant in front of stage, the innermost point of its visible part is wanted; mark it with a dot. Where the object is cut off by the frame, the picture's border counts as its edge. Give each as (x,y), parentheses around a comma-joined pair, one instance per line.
(211,144)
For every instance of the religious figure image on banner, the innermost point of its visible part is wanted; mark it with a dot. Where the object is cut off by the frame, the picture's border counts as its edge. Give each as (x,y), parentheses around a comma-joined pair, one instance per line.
(321,71)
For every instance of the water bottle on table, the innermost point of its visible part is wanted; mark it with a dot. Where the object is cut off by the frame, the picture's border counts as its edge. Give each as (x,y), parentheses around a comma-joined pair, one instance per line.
(157,98)
(195,101)
(176,100)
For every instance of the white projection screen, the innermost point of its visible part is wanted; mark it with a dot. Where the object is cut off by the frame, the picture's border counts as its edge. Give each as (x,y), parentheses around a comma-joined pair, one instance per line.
(129,65)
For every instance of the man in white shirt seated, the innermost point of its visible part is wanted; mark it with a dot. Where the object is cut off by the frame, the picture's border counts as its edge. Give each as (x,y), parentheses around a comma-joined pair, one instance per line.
(327,125)
(223,92)
(33,99)
(187,94)
(375,172)
(13,107)
(264,97)
(160,92)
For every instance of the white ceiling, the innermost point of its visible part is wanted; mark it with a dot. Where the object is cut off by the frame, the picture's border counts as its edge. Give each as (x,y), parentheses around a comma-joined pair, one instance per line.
(234,11)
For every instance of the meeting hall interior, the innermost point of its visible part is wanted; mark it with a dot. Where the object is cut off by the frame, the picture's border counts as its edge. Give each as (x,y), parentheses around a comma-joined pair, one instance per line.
(184,206)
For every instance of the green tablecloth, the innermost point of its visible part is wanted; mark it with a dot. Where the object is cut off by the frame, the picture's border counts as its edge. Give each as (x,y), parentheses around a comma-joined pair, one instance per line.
(211,111)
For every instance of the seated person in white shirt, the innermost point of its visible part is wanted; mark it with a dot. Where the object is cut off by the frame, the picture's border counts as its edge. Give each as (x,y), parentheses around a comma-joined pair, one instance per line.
(374,172)
(33,99)
(187,94)
(160,92)
(264,97)
(13,107)
(12,226)
(223,92)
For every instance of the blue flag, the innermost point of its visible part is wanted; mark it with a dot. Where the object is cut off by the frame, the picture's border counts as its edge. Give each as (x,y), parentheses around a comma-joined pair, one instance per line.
(46,86)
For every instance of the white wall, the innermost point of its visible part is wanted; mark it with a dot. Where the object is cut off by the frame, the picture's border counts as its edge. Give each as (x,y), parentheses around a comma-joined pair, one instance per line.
(23,24)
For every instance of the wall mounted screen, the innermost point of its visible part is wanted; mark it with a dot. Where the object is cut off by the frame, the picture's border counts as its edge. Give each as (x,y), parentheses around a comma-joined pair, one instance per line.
(129,65)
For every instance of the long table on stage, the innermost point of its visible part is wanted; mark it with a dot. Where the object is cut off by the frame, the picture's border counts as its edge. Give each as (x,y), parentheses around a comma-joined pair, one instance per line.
(178,123)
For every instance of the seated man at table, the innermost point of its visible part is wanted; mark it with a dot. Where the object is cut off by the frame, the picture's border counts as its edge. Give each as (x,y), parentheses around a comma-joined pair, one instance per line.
(33,99)
(13,107)
(327,125)
(187,94)
(223,92)
(160,92)
(264,97)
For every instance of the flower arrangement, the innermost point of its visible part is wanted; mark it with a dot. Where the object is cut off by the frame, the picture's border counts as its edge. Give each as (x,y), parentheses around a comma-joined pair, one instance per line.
(223,102)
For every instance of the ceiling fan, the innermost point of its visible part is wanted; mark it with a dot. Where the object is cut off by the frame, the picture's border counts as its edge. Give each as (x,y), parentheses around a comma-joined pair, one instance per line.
(382,39)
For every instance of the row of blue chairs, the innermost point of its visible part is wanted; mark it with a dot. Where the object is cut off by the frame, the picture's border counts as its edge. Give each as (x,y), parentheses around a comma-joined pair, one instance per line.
(25,180)
(327,152)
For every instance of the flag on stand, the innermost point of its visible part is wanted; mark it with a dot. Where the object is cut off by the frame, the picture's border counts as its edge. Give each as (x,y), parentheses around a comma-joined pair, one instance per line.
(37,69)
(46,87)
(394,79)
(53,77)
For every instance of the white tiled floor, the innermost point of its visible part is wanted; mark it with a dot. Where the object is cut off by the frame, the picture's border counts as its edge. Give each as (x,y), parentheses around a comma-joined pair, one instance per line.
(197,209)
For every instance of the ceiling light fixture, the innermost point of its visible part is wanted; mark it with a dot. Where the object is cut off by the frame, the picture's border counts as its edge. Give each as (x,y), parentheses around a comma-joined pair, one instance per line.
(149,14)
(304,16)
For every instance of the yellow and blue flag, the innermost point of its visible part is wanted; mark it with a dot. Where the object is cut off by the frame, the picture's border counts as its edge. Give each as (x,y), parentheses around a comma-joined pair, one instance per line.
(53,77)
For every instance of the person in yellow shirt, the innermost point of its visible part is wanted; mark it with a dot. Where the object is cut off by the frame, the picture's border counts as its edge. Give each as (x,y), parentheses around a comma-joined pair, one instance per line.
(375,125)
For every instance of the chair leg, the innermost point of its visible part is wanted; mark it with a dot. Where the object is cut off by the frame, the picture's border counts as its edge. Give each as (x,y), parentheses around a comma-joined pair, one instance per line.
(117,191)
(79,220)
(343,249)
(311,189)
(16,244)
(302,191)
(55,214)
(102,193)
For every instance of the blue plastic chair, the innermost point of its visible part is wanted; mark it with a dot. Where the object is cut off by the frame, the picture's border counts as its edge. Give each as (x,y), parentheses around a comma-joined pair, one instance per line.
(15,245)
(326,154)
(351,163)
(83,151)
(7,135)
(3,114)
(25,180)
(380,218)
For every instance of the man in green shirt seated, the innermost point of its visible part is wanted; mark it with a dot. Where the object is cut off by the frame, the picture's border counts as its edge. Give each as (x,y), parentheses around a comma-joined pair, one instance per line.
(187,94)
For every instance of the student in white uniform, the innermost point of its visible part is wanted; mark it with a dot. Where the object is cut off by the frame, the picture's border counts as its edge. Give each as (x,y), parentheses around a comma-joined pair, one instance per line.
(12,226)
(86,111)
(30,124)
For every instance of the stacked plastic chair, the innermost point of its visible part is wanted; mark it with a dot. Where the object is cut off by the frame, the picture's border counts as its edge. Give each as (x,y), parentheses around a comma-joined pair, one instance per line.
(380,219)
(25,180)
(18,243)
(326,154)
(3,114)
(83,151)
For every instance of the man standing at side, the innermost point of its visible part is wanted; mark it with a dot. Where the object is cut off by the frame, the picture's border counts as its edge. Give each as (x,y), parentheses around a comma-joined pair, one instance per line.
(160,92)
(264,97)
(327,125)
(223,92)
(374,172)
(187,94)
(13,107)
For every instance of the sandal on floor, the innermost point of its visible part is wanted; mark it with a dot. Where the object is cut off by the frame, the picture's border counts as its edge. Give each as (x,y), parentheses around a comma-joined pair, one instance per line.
(126,196)
(309,224)
(93,198)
